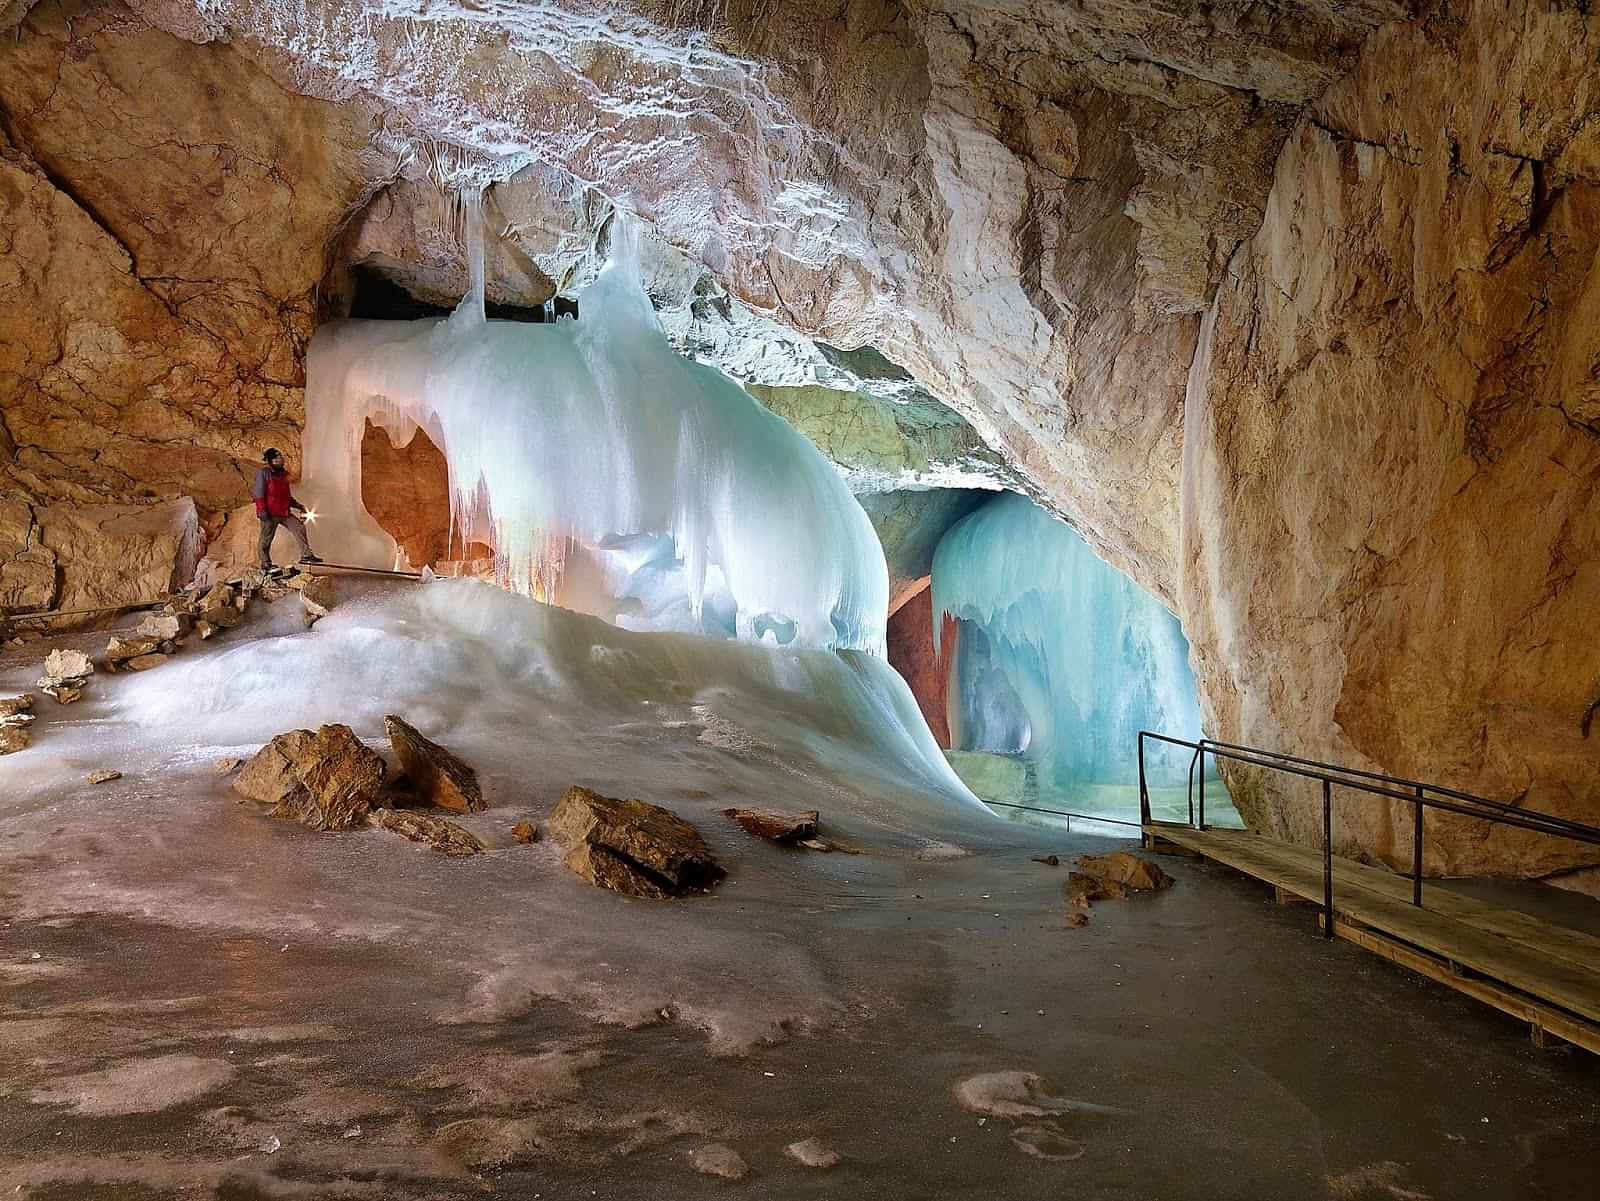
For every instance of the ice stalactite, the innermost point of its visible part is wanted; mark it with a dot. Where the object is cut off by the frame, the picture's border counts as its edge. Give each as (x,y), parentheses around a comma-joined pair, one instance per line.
(609,474)
(1061,657)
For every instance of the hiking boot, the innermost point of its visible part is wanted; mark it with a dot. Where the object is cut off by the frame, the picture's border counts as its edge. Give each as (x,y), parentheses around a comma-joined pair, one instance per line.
(310,559)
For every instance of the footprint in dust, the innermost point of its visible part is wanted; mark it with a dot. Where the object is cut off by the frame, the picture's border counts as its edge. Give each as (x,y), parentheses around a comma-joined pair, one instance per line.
(1046,1140)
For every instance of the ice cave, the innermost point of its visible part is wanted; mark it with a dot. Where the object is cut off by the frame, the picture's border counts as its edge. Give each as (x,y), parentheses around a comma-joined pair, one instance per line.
(872,600)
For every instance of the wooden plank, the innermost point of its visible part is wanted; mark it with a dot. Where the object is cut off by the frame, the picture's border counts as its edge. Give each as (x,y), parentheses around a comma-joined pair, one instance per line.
(1540,1017)
(1522,966)
(1577,947)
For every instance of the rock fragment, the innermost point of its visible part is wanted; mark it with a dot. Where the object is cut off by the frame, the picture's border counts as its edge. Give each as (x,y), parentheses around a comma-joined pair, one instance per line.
(440,833)
(121,650)
(65,674)
(812,1153)
(15,718)
(146,662)
(1048,860)
(1112,877)
(715,1159)
(16,706)
(1138,874)
(164,626)
(103,777)
(438,775)
(220,608)
(779,827)
(317,597)
(525,832)
(326,781)
(631,846)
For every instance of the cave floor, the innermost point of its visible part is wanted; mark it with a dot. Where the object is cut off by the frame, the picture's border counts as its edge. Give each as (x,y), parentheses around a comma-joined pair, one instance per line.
(200,1001)
(1235,1054)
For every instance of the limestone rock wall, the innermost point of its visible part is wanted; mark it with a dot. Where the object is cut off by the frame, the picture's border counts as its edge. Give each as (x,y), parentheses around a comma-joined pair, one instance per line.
(163,215)
(1392,512)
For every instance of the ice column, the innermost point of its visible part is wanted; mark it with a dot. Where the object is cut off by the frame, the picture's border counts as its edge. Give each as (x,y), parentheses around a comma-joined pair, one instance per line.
(1061,658)
(609,473)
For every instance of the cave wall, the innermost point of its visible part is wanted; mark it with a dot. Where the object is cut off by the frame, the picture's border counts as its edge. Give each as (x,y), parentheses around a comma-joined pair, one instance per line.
(1392,515)
(164,210)
(911,653)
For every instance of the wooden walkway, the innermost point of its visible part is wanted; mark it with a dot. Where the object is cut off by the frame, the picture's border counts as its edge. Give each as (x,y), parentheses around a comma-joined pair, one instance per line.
(1545,974)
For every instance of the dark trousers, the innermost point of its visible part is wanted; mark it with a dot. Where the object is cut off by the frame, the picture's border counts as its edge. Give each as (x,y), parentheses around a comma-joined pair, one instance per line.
(269,528)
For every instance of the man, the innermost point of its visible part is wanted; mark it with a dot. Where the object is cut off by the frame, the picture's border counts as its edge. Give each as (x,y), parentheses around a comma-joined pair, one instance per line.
(275,506)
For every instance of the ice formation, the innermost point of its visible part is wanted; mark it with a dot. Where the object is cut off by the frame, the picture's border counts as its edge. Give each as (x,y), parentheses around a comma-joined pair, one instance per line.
(609,474)
(1060,657)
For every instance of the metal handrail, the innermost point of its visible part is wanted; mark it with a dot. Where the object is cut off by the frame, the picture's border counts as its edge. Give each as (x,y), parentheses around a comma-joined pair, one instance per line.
(1449,800)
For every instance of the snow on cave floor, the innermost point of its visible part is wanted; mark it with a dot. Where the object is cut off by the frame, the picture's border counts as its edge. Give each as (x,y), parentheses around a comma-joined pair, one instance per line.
(184,983)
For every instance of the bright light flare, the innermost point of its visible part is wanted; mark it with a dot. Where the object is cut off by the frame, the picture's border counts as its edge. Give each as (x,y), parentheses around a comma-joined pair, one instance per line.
(311,515)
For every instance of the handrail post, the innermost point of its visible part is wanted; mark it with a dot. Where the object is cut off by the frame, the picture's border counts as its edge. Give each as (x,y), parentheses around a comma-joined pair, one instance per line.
(1144,792)
(1416,853)
(1201,824)
(1327,859)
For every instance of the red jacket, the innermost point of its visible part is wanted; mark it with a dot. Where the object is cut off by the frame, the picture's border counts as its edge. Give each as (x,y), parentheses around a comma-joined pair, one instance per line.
(271,493)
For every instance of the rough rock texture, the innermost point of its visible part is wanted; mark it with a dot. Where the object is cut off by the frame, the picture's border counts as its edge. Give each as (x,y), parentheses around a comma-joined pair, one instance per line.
(911,654)
(632,846)
(407,491)
(779,827)
(16,715)
(1392,537)
(440,833)
(327,780)
(437,774)
(1138,874)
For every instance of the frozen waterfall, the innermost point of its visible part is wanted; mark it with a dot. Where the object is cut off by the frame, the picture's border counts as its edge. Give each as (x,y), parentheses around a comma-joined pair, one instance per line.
(1060,657)
(609,474)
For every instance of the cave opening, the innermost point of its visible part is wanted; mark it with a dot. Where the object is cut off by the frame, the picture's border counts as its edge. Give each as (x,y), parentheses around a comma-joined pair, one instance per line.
(1037,663)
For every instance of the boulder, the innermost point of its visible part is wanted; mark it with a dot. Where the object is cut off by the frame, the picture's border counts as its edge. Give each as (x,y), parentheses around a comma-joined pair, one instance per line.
(631,846)
(438,775)
(440,833)
(15,706)
(1138,874)
(327,781)
(779,827)
(103,777)
(525,832)
(14,737)
(146,662)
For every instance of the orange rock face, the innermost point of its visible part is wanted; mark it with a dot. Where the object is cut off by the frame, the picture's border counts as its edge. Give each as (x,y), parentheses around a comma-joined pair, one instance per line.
(911,654)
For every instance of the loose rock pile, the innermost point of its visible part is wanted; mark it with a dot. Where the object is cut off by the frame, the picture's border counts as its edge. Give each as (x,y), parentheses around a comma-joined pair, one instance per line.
(330,780)
(15,718)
